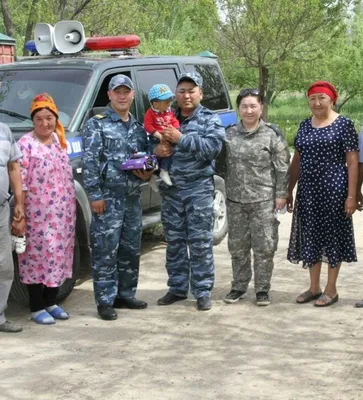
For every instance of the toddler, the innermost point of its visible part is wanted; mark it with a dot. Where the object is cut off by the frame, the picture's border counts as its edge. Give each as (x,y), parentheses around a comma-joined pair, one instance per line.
(157,117)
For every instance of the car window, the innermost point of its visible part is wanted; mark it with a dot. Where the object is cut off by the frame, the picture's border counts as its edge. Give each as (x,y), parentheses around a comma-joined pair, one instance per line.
(17,88)
(214,92)
(146,78)
(102,96)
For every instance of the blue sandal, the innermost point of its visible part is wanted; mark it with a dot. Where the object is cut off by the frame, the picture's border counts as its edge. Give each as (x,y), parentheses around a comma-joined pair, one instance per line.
(59,313)
(44,318)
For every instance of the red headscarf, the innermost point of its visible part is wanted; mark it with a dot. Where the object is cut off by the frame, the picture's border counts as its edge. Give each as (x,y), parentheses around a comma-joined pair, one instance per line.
(44,100)
(324,87)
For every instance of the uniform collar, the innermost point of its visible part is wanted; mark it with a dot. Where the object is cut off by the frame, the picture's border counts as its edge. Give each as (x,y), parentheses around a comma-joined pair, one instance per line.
(246,132)
(116,117)
(178,112)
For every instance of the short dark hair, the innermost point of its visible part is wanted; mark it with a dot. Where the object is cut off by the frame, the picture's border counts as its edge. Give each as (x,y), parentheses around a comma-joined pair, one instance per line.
(41,109)
(249,92)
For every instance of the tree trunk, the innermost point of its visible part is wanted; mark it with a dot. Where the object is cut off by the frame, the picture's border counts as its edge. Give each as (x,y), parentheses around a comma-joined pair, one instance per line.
(270,95)
(7,18)
(339,106)
(80,8)
(263,83)
(30,24)
(273,97)
(61,9)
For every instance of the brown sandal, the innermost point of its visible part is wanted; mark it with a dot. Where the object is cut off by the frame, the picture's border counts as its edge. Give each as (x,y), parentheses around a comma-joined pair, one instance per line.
(307,297)
(327,300)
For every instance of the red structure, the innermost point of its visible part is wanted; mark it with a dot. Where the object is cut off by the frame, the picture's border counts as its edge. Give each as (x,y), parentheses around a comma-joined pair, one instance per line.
(7,49)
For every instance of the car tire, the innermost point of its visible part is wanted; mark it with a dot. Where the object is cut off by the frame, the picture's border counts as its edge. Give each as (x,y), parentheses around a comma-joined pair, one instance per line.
(220,228)
(19,291)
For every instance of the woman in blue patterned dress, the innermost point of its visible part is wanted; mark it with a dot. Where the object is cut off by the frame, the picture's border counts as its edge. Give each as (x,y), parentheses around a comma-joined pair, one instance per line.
(325,165)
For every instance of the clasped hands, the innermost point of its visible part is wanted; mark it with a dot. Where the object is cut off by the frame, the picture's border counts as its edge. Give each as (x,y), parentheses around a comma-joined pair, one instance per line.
(18,224)
(170,136)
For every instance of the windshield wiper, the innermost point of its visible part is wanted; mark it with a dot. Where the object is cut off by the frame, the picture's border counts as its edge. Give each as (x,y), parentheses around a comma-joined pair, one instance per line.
(14,114)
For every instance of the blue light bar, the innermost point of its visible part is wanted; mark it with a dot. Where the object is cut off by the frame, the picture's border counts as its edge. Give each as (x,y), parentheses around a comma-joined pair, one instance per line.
(30,46)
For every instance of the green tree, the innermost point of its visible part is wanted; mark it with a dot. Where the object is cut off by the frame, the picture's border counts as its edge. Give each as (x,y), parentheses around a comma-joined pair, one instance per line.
(21,16)
(271,35)
(166,27)
(345,64)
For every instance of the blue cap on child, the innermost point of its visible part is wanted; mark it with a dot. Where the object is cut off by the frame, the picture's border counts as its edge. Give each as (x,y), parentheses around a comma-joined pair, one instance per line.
(160,92)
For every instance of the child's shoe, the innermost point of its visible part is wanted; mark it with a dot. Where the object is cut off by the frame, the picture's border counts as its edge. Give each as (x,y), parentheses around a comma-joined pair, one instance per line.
(164,175)
(18,244)
(153,184)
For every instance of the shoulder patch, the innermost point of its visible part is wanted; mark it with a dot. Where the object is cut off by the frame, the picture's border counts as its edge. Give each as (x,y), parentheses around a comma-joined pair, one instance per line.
(100,116)
(277,130)
(138,123)
(230,126)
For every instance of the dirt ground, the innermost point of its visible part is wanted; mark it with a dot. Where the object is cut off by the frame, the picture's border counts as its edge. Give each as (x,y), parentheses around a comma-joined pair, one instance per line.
(239,351)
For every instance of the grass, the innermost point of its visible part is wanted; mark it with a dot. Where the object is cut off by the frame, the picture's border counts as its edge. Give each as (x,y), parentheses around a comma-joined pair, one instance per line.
(288,111)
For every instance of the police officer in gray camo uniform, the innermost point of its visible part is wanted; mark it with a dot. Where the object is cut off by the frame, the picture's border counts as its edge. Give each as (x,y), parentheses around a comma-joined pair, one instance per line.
(109,140)
(255,165)
(187,206)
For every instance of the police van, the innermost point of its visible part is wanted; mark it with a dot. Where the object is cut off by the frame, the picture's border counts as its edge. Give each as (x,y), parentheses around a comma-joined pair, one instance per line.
(76,71)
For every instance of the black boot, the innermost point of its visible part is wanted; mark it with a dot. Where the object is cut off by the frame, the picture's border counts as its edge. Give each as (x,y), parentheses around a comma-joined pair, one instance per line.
(204,303)
(170,298)
(131,303)
(107,312)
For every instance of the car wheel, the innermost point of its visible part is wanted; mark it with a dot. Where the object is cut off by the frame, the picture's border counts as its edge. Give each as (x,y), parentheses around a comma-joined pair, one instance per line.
(19,291)
(220,228)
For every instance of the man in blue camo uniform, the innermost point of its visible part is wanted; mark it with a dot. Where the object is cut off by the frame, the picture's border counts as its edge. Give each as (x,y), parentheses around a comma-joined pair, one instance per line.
(109,140)
(187,206)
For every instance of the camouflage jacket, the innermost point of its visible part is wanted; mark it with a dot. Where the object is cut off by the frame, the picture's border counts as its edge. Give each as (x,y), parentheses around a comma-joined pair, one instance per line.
(194,156)
(107,144)
(255,165)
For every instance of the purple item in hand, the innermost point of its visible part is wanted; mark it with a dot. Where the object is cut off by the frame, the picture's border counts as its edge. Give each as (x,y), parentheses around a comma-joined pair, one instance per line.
(140,161)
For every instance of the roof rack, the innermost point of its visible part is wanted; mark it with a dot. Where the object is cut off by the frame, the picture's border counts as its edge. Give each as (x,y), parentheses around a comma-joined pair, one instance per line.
(67,38)
(116,54)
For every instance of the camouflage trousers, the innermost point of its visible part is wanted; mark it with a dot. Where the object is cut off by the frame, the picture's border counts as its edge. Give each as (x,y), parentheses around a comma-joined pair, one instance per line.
(116,240)
(252,226)
(187,217)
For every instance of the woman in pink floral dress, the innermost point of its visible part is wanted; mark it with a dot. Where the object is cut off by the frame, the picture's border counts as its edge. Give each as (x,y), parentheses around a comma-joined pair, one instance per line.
(50,211)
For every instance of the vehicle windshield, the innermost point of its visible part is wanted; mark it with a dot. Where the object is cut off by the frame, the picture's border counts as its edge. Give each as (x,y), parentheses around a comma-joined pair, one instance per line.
(18,87)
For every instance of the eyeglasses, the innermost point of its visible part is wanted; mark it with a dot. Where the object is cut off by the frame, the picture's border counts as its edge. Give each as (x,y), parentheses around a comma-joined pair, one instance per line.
(249,92)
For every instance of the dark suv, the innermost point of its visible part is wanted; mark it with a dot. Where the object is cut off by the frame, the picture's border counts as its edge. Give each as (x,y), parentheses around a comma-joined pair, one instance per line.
(79,88)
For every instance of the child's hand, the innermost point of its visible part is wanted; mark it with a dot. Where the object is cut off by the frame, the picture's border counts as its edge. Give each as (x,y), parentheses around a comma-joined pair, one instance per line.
(172,134)
(158,135)
(18,227)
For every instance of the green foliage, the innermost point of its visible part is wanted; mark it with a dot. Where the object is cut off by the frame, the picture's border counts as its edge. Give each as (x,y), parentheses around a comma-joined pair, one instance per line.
(177,27)
(276,37)
(278,45)
(287,112)
(166,27)
(154,234)
(290,109)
